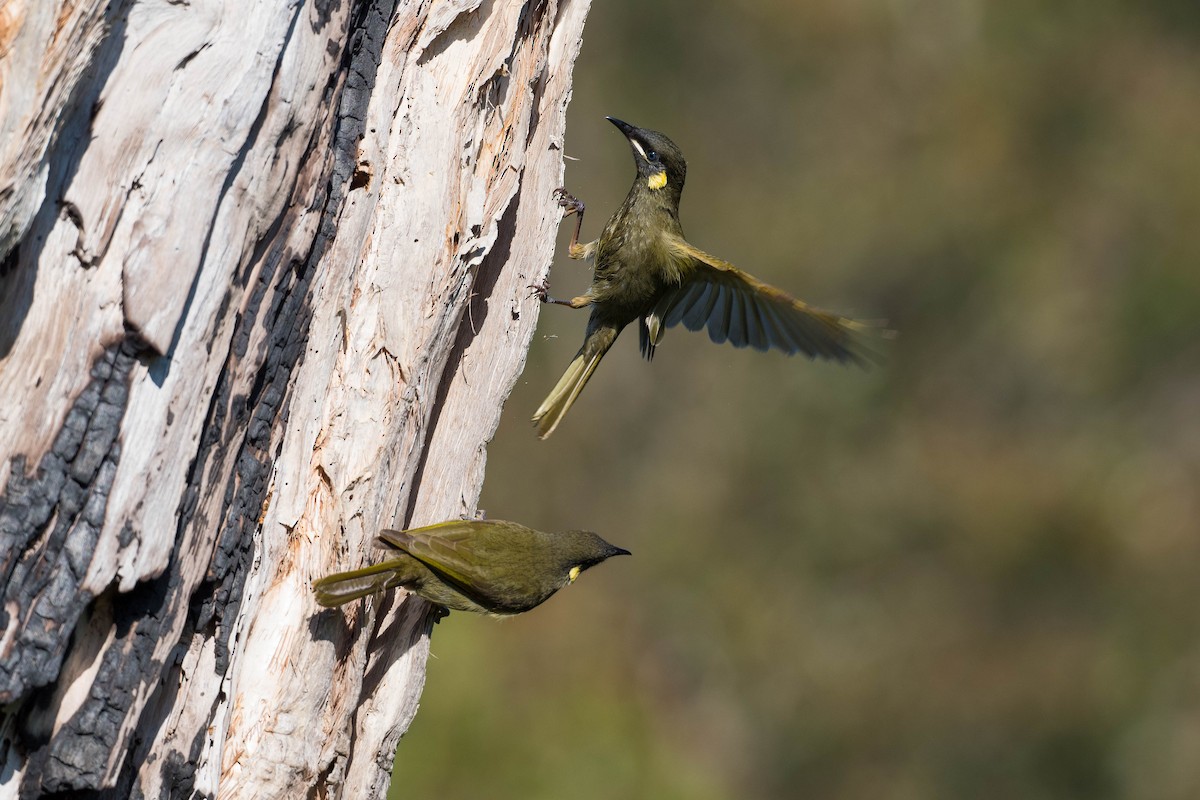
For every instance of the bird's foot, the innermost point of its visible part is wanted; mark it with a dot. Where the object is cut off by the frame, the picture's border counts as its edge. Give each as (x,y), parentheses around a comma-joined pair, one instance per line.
(568,202)
(541,291)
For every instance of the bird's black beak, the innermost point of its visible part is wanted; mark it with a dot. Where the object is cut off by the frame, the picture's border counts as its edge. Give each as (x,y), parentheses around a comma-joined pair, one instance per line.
(623,127)
(619,551)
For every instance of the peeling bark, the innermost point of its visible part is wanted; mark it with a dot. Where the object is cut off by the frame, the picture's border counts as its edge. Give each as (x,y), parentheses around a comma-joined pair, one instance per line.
(263,293)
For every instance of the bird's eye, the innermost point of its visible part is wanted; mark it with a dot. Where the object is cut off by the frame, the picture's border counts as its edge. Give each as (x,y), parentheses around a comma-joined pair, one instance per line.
(651,155)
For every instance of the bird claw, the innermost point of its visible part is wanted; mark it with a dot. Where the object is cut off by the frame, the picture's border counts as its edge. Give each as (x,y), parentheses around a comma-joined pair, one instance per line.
(568,202)
(540,290)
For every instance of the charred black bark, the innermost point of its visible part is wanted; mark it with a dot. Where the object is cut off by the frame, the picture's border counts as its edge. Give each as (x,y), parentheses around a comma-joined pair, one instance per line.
(51,517)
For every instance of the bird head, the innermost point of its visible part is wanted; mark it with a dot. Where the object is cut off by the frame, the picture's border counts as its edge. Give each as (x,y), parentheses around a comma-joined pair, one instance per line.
(660,163)
(581,550)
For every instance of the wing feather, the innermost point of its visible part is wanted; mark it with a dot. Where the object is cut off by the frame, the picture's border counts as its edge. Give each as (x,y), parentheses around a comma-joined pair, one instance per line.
(779,335)
(645,339)
(739,308)
(737,318)
(718,321)
(446,549)
(699,311)
(756,334)
(686,302)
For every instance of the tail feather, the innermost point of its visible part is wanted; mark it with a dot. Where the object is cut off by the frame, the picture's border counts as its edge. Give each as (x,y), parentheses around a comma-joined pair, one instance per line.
(563,395)
(342,587)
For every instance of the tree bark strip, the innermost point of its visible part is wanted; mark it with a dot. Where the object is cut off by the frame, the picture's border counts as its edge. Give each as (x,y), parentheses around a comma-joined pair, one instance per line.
(265,292)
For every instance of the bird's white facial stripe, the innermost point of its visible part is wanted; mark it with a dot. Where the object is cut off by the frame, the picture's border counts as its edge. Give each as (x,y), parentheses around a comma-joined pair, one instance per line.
(638,146)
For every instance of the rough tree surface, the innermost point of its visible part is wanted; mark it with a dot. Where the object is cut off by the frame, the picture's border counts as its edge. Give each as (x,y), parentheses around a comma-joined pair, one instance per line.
(263,292)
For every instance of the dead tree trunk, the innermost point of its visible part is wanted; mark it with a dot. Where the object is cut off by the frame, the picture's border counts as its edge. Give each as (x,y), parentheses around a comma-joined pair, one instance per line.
(263,293)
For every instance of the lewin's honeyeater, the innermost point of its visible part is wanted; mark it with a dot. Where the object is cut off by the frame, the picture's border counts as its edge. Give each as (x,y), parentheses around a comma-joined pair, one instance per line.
(645,270)
(486,566)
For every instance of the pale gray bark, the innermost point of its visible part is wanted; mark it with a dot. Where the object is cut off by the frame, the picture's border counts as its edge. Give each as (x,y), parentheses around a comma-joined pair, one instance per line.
(264,291)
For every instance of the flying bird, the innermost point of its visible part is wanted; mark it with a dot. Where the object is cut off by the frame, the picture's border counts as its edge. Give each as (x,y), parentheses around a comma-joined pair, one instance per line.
(645,271)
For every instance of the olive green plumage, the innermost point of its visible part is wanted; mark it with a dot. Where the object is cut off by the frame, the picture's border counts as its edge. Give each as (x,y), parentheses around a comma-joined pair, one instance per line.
(645,271)
(486,566)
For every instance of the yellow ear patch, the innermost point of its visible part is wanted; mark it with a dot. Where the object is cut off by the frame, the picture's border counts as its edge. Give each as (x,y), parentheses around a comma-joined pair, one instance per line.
(573,574)
(658,180)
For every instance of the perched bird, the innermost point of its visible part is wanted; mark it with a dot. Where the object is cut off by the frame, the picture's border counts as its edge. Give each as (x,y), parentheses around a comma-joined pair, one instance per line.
(486,566)
(645,270)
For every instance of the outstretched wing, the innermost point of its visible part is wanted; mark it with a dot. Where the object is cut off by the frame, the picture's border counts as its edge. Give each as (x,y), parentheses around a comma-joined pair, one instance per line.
(738,308)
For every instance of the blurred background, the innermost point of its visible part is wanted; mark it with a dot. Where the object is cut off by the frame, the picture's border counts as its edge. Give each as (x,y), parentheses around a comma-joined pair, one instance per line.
(972,572)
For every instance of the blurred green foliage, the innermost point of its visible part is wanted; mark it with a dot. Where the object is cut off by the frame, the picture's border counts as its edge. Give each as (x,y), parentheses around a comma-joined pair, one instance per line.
(972,573)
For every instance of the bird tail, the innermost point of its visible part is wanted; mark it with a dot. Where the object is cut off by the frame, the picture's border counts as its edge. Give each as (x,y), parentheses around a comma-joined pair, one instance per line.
(342,587)
(563,395)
